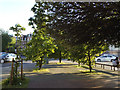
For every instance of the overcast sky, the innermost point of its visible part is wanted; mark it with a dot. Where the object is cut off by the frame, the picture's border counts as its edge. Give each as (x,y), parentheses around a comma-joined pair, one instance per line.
(16,11)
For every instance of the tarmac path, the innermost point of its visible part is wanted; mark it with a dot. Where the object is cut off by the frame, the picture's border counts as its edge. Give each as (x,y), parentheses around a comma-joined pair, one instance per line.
(68,76)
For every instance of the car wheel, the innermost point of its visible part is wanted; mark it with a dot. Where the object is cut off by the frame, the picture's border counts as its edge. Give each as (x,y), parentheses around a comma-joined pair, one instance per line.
(99,60)
(2,61)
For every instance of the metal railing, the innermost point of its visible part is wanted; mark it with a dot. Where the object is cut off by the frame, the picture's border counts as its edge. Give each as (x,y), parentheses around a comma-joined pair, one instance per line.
(103,65)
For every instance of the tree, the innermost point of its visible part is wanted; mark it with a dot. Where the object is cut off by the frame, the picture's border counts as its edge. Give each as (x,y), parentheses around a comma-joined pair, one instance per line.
(77,53)
(91,51)
(41,44)
(85,54)
(39,47)
(60,52)
(17,29)
(6,39)
(77,23)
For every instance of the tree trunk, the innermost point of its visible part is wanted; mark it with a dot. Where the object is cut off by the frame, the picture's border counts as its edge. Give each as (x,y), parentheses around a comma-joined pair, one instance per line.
(60,57)
(16,66)
(79,63)
(11,76)
(21,69)
(40,64)
(89,62)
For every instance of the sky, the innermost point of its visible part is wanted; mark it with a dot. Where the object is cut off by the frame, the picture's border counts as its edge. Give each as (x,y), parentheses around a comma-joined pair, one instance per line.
(16,12)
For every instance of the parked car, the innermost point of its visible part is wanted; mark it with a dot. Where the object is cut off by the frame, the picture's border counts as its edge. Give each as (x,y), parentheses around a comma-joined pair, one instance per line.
(105,57)
(2,53)
(3,57)
(10,56)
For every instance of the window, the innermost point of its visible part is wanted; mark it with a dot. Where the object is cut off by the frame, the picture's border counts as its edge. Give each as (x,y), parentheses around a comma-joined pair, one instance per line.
(104,56)
(110,56)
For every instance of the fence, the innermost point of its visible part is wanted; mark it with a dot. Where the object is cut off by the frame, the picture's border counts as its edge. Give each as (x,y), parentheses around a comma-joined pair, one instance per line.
(103,65)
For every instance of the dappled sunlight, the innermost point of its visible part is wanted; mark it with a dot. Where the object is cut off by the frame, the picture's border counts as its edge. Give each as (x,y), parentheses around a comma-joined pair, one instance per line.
(60,63)
(41,70)
(69,75)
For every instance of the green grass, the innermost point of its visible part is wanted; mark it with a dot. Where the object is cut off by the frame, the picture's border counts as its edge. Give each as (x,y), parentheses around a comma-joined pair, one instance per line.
(41,70)
(22,84)
(60,63)
(82,66)
(89,73)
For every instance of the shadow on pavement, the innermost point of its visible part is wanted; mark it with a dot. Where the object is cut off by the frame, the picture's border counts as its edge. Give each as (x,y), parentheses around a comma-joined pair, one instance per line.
(70,80)
(67,80)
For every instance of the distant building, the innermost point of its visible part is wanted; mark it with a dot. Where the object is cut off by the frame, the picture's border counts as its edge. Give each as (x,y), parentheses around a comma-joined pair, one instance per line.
(25,39)
(114,50)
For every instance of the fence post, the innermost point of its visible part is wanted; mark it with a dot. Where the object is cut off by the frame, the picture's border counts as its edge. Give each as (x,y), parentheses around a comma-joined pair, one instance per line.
(11,76)
(114,68)
(103,66)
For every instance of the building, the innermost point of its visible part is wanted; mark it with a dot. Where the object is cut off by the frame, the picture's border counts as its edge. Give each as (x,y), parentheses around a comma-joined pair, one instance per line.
(114,50)
(24,40)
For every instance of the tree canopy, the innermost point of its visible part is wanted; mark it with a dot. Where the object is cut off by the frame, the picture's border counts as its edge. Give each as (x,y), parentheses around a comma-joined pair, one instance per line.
(76,22)
(83,28)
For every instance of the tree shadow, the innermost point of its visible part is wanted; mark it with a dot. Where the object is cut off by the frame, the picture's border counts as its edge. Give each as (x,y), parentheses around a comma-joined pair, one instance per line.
(113,74)
(70,80)
(57,65)
(67,80)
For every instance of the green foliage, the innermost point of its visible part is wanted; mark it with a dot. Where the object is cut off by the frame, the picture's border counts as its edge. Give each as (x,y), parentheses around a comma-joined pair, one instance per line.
(41,44)
(5,40)
(76,28)
(11,45)
(13,40)
(18,30)
(59,52)
(81,22)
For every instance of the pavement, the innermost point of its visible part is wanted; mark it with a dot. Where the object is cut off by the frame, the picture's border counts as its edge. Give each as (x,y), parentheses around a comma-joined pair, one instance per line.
(69,76)
(65,76)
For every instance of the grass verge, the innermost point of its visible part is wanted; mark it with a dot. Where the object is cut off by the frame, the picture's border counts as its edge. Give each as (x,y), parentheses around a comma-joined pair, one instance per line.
(82,66)
(22,84)
(41,70)
(60,63)
(89,73)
